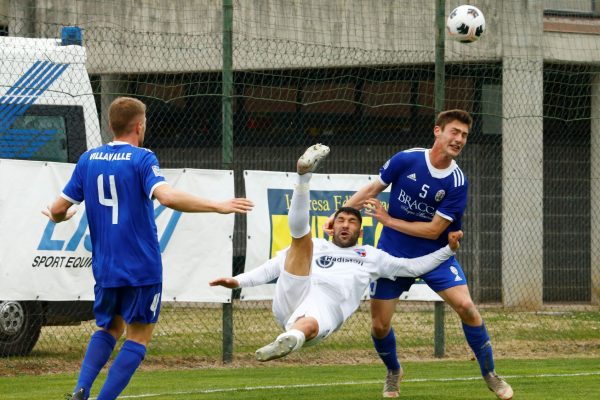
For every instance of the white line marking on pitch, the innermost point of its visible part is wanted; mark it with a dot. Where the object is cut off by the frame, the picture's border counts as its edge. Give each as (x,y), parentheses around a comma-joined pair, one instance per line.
(350,383)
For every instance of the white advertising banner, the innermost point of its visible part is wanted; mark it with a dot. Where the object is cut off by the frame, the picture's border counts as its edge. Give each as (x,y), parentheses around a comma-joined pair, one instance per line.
(40,260)
(268,231)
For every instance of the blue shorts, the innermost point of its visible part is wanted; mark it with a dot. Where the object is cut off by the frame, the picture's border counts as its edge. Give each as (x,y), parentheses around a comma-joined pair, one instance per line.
(133,303)
(446,275)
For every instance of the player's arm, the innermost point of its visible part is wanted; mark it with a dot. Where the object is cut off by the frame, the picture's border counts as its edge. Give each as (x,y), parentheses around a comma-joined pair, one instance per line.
(357,200)
(60,210)
(265,273)
(179,200)
(428,230)
(415,267)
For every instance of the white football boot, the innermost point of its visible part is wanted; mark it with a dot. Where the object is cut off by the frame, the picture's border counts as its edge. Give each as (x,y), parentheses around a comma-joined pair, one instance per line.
(280,347)
(311,158)
(391,386)
(499,386)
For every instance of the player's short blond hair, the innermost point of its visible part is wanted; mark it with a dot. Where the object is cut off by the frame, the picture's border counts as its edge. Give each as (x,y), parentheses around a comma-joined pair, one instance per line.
(122,112)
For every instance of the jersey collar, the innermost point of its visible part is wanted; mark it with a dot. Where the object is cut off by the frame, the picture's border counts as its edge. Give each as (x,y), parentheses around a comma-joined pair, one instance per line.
(439,173)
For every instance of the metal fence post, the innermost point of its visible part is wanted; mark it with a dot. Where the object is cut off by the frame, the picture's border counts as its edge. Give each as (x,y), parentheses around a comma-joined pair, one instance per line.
(227,150)
(440,17)
(439,337)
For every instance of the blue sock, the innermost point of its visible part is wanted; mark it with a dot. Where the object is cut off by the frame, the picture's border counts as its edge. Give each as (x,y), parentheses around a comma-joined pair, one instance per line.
(386,348)
(97,354)
(479,340)
(122,369)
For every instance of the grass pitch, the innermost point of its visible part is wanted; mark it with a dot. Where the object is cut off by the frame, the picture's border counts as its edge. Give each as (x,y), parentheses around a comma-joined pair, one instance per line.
(570,379)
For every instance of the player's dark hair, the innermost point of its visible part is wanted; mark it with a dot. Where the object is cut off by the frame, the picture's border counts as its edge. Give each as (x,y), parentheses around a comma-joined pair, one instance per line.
(122,112)
(349,210)
(445,117)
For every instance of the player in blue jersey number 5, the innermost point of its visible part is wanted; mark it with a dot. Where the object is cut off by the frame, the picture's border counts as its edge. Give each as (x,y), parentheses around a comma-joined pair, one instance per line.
(118,182)
(428,196)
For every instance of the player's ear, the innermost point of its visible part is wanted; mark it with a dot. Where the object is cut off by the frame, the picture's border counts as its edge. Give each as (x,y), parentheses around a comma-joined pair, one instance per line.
(437,130)
(360,234)
(139,126)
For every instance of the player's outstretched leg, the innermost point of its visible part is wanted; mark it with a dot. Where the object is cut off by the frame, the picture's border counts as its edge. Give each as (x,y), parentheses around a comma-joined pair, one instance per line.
(285,343)
(391,386)
(499,386)
(311,158)
(299,213)
(299,255)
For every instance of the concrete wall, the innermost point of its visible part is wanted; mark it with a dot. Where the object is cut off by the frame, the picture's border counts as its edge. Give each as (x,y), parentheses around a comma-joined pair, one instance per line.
(4,12)
(522,170)
(186,35)
(595,190)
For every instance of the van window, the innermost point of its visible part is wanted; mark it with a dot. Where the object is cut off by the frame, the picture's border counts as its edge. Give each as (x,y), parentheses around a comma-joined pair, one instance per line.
(35,137)
(45,133)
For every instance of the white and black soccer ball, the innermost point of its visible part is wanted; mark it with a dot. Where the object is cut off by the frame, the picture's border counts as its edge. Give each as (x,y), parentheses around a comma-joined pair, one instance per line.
(465,24)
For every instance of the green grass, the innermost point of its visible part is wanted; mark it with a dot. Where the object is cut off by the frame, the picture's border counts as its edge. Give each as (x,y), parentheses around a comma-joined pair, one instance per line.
(531,380)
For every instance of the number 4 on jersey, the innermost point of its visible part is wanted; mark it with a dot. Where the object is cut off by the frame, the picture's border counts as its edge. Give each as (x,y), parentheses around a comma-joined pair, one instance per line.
(113,201)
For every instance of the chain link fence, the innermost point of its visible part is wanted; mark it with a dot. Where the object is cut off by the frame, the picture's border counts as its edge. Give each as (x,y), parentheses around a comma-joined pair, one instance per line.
(360,77)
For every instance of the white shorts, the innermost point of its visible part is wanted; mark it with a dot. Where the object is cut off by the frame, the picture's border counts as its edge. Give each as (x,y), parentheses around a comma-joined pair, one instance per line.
(298,296)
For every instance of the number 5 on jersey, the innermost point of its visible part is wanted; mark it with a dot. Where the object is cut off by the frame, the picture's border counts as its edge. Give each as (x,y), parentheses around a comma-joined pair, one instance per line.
(113,201)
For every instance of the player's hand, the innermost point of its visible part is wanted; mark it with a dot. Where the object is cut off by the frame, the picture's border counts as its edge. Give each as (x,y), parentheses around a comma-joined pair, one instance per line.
(230,283)
(328,225)
(453,239)
(70,212)
(236,205)
(374,208)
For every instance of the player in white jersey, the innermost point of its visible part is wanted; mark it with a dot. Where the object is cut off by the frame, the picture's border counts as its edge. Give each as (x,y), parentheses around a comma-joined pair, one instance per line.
(428,196)
(320,283)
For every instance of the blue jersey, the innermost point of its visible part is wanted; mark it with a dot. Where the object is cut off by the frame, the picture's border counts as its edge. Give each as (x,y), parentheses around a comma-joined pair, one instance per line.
(116,181)
(418,192)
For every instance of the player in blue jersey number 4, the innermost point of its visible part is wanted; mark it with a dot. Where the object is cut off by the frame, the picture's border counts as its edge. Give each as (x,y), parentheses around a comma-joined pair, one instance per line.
(428,196)
(118,182)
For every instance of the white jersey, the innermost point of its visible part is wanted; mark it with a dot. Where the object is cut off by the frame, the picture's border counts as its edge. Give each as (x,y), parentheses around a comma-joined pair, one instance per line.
(344,273)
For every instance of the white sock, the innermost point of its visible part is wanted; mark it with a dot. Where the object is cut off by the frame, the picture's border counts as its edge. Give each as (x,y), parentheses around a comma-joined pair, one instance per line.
(299,214)
(298,334)
(305,178)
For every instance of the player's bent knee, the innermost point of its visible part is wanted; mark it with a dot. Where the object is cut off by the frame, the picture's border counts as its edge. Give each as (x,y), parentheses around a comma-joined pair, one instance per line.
(140,333)
(313,331)
(468,311)
(308,325)
(379,328)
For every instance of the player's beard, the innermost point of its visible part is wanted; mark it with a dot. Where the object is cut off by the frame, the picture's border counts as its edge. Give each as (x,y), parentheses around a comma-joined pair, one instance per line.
(349,241)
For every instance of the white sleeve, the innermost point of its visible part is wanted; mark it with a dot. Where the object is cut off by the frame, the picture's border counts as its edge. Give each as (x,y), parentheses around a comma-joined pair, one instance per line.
(265,273)
(412,267)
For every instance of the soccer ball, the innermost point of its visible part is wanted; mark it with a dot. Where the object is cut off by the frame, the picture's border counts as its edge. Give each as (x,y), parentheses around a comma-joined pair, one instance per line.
(465,24)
